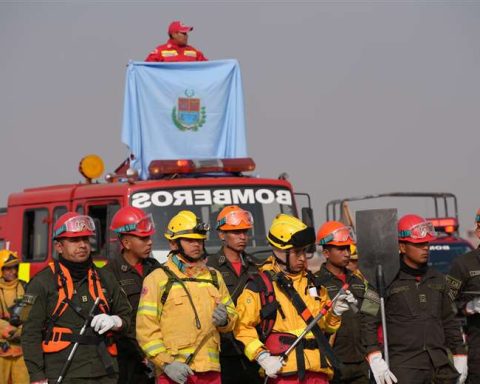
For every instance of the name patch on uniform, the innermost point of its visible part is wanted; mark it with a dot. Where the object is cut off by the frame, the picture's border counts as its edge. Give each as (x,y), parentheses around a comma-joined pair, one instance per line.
(127,282)
(474,273)
(29,299)
(399,289)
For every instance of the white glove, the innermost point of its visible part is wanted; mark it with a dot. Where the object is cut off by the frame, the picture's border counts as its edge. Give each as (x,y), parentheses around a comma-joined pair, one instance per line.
(44,381)
(473,306)
(178,372)
(460,362)
(220,315)
(271,364)
(103,323)
(380,369)
(342,304)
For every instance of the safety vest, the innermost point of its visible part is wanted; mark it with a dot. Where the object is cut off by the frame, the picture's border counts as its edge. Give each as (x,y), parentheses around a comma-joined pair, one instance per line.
(58,338)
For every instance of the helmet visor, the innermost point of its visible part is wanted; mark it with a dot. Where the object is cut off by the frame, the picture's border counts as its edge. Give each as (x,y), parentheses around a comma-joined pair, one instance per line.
(419,231)
(235,218)
(144,225)
(339,235)
(75,225)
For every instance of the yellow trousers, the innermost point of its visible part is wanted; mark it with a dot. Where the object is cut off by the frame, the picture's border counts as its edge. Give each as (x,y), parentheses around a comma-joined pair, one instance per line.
(13,370)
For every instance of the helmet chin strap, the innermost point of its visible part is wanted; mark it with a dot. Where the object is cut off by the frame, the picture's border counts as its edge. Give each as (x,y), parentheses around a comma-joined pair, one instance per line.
(286,263)
(181,251)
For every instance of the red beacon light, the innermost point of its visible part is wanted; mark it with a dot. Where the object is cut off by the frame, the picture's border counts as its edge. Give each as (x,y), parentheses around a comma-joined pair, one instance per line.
(159,168)
(445,224)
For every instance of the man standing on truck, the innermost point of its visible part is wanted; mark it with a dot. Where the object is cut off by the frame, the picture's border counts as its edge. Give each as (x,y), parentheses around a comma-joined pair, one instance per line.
(176,48)
(421,323)
(183,307)
(60,300)
(279,302)
(236,266)
(336,240)
(464,281)
(12,365)
(134,229)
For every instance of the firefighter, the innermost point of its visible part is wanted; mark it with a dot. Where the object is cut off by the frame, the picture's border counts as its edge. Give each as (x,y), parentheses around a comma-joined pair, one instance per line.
(336,240)
(279,302)
(464,280)
(183,307)
(176,48)
(134,229)
(59,300)
(420,318)
(233,225)
(12,365)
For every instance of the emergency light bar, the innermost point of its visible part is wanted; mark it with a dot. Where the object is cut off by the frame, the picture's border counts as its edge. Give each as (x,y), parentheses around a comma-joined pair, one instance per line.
(158,168)
(445,224)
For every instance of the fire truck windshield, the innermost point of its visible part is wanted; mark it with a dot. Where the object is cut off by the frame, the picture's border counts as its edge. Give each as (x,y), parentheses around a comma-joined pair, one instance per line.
(264,202)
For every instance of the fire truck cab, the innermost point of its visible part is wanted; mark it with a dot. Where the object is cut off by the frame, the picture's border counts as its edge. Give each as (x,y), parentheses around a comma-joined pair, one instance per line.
(202,186)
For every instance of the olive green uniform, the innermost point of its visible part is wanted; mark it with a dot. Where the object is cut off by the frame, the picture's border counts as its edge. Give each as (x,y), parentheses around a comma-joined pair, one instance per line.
(130,356)
(235,367)
(41,297)
(347,343)
(422,329)
(464,277)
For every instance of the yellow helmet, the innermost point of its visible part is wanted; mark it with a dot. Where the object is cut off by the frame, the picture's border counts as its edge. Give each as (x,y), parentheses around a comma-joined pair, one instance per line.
(289,232)
(8,258)
(185,224)
(353,252)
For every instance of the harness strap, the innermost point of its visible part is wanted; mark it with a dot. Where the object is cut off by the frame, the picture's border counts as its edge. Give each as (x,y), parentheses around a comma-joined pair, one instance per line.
(286,285)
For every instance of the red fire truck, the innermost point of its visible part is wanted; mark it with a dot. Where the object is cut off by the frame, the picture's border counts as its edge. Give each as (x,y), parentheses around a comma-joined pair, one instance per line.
(203,186)
(444,207)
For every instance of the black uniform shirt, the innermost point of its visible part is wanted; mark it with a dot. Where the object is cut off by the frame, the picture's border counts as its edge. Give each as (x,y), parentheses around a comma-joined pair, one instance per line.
(421,322)
(464,276)
(131,282)
(348,345)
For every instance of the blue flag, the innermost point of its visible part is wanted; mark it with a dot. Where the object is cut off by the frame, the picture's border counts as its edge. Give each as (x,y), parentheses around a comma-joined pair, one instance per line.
(190,110)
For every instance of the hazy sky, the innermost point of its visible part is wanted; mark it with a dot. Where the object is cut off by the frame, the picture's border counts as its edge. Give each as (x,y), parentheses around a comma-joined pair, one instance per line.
(347,97)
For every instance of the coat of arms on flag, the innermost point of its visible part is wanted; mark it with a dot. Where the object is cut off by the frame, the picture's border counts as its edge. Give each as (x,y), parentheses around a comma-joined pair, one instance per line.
(188,114)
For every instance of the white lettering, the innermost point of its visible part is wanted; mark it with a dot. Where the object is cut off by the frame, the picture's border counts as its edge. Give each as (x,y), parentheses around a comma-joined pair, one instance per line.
(243,197)
(162,198)
(265,196)
(189,197)
(284,197)
(202,197)
(183,197)
(141,200)
(222,197)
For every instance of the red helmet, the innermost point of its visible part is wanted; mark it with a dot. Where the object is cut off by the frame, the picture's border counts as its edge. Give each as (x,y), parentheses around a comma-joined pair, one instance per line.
(415,229)
(335,233)
(73,224)
(132,221)
(232,218)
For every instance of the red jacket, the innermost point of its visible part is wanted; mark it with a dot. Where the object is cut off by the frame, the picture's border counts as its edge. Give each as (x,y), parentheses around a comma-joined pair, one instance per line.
(172,52)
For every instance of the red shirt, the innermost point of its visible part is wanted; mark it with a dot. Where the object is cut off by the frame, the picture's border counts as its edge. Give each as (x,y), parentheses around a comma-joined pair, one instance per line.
(237,266)
(171,52)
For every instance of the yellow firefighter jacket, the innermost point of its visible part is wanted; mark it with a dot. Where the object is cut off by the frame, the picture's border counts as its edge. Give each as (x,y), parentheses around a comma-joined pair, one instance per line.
(167,329)
(249,306)
(9,335)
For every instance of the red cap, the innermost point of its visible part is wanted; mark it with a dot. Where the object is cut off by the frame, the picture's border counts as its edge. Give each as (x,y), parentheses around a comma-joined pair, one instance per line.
(178,26)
